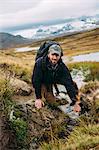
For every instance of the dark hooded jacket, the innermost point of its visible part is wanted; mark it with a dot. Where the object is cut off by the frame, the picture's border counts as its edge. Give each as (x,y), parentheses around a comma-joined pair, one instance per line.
(45,73)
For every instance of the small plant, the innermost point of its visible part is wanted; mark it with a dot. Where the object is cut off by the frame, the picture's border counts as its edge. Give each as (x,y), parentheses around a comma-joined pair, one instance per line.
(19,126)
(6,94)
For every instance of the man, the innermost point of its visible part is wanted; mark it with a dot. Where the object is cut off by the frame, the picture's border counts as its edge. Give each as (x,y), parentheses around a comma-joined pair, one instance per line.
(52,72)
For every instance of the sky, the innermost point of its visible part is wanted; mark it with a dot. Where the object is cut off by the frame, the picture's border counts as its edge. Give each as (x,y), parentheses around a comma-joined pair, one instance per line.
(20,12)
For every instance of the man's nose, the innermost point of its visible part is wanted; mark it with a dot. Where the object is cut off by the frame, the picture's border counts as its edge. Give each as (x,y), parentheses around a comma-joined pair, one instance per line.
(54,56)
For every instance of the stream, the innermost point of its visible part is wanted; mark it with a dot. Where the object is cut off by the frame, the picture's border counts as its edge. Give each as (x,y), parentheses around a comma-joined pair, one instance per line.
(87,57)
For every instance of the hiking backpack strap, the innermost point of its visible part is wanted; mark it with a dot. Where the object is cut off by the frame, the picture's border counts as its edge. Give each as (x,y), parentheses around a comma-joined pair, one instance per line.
(56,88)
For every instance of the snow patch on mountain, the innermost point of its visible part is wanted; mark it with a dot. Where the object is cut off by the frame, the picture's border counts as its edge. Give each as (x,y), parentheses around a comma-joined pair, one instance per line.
(78,24)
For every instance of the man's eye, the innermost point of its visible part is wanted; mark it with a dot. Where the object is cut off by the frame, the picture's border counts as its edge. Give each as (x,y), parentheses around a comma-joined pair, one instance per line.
(55,54)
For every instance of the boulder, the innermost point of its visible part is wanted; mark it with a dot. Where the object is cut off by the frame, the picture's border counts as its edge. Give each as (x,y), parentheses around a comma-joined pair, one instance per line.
(20,87)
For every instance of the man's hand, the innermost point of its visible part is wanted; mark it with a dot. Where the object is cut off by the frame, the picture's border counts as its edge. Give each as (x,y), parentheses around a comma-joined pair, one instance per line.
(39,103)
(77,107)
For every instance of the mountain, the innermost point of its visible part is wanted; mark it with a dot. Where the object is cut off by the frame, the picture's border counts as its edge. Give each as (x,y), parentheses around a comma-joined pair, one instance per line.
(56,28)
(79,24)
(9,41)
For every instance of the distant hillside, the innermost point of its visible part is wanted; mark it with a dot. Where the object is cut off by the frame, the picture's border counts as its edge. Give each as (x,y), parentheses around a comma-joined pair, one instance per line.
(87,40)
(9,41)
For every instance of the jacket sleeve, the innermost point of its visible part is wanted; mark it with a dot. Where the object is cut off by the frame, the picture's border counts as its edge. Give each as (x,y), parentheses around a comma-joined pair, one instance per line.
(37,79)
(69,84)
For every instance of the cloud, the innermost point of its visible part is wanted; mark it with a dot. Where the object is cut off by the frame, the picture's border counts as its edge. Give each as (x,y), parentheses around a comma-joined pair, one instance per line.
(13,6)
(16,13)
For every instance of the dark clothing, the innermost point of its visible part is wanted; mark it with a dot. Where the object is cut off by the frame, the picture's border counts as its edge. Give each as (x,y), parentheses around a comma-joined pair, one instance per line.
(50,99)
(47,74)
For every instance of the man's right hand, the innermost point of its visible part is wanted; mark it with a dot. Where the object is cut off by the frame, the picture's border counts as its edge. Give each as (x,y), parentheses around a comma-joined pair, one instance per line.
(77,107)
(39,103)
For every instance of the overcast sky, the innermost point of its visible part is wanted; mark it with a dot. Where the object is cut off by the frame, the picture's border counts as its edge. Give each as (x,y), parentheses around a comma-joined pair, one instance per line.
(20,12)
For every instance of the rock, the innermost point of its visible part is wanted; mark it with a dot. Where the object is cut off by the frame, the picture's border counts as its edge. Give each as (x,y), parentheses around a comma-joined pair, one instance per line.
(20,87)
(7,138)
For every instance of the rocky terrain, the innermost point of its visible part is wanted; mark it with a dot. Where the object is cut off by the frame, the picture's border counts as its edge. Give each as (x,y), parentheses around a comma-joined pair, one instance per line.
(29,127)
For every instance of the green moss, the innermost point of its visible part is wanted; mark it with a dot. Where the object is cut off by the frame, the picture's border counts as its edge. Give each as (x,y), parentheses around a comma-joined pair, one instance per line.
(20,128)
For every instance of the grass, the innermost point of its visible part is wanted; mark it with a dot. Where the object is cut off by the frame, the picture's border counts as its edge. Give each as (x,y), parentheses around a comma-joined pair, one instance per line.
(14,70)
(93,67)
(81,41)
(24,60)
(6,94)
(19,65)
(82,138)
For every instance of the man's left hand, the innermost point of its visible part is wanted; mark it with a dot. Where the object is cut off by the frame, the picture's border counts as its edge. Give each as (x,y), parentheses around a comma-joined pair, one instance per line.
(77,107)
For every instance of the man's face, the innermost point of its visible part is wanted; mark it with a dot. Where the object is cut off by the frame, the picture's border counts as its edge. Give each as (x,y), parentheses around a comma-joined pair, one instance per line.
(54,58)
